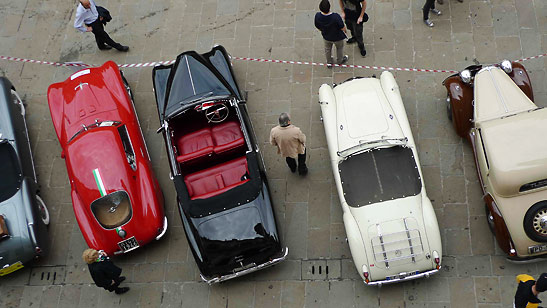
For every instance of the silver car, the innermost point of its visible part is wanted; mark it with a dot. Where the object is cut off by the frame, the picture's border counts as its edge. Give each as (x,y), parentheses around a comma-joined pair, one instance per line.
(23,214)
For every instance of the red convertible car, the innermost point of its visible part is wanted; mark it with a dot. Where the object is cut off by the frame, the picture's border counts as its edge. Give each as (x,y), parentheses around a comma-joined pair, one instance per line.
(116,197)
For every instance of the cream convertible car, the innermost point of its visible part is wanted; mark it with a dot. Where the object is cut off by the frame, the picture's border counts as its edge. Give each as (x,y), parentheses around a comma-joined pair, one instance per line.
(390,223)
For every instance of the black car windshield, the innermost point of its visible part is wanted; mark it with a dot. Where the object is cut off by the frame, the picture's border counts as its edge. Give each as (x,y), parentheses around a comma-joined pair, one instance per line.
(378,175)
(11,178)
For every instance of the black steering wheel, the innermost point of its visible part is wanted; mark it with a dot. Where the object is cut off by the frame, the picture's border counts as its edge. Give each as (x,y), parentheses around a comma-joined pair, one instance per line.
(217,113)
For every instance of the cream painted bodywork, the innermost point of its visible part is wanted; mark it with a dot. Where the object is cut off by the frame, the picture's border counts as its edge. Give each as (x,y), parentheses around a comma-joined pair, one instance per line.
(509,135)
(369,109)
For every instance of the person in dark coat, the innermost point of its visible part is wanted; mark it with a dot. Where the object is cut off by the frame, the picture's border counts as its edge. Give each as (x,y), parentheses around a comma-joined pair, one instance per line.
(333,31)
(104,273)
(528,290)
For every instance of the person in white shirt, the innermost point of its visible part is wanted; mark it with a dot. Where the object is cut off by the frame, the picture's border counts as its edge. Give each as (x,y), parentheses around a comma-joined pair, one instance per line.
(88,20)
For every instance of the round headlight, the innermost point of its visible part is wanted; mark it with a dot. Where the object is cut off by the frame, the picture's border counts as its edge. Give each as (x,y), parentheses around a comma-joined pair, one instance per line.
(465,75)
(506,66)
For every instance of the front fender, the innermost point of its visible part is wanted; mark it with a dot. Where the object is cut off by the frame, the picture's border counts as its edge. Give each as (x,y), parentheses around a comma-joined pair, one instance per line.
(522,80)
(461,102)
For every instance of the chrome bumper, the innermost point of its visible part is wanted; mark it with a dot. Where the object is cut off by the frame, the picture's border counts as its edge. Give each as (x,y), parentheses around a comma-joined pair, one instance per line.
(420,275)
(162,233)
(248,270)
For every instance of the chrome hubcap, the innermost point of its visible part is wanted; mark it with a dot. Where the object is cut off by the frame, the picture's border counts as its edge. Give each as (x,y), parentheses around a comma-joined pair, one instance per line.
(540,222)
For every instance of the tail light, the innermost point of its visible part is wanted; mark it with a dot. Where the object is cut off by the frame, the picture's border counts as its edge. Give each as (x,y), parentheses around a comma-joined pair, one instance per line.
(365,273)
(437,259)
(38,250)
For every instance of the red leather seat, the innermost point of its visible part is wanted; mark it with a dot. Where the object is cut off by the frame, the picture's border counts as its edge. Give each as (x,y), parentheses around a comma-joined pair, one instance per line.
(227,136)
(216,180)
(194,145)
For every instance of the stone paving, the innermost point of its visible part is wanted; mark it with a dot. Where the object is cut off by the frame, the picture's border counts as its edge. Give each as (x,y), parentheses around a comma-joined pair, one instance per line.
(163,274)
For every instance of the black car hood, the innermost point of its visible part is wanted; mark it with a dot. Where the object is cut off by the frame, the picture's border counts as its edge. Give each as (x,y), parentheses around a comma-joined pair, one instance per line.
(191,77)
(239,237)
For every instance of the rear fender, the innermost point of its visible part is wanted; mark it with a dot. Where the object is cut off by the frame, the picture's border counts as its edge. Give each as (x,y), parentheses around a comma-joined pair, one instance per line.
(522,80)
(500,228)
(461,101)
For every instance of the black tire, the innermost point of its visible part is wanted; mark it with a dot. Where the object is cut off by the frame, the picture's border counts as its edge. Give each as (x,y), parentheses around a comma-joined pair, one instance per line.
(533,222)
(489,219)
(448,107)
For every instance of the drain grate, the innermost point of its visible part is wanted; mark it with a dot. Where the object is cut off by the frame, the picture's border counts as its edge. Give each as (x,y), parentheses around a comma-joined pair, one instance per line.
(314,270)
(47,275)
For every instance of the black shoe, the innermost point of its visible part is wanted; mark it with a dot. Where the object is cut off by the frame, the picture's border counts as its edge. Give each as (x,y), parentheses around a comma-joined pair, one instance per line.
(303,171)
(344,59)
(293,170)
(121,279)
(123,48)
(329,65)
(363,52)
(105,47)
(121,290)
(351,41)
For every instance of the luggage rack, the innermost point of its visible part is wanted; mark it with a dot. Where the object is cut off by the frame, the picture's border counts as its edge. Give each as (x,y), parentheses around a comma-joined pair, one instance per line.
(397,246)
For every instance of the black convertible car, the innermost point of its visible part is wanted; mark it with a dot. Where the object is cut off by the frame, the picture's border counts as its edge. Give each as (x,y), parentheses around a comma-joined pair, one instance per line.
(219,175)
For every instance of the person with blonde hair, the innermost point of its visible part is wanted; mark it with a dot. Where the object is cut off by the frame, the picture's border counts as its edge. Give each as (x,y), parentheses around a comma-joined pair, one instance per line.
(103,272)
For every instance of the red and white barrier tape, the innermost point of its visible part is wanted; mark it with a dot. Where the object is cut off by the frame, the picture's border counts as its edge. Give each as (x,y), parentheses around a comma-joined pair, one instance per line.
(147,64)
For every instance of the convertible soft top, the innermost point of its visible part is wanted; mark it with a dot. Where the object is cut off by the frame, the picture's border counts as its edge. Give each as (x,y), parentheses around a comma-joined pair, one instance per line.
(191,77)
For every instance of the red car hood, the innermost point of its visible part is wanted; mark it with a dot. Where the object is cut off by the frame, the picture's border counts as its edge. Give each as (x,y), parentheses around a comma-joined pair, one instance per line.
(89,94)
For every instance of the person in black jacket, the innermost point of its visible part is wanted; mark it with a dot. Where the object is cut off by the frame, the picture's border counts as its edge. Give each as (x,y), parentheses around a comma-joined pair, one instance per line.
(104,273)
(353,13)
(528,290)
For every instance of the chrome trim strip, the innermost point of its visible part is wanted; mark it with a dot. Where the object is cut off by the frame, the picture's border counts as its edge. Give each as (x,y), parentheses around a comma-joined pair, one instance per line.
(247,271)
(498,90)
(164,228)
(382,282)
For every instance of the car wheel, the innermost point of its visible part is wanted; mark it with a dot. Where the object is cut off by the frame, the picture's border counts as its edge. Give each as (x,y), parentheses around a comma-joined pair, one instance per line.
(489,218)
(535,222)
(44,213)
(448,107)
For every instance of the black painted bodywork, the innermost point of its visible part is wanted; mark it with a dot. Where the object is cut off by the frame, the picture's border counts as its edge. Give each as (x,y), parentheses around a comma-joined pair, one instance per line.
(235,230)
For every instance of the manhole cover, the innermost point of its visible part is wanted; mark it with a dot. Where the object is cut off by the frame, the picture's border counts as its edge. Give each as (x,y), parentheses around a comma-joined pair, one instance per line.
(47,275)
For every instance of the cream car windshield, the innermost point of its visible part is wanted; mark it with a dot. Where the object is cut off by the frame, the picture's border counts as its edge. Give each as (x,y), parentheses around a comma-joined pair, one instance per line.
(379,174)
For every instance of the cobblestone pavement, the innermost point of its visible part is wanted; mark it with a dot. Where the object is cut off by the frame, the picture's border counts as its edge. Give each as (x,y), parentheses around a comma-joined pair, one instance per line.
(163,274)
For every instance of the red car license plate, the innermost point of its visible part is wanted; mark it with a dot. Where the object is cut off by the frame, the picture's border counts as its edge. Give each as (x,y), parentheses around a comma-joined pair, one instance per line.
(129,244)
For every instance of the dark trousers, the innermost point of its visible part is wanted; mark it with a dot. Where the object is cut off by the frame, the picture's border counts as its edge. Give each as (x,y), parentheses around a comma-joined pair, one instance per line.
(114,287)
(429,5)
(356,31)
(102,37)
(302,168)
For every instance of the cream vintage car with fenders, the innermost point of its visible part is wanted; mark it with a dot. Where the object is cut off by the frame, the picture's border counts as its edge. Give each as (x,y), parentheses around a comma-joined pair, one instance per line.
(492,107)
(390,223)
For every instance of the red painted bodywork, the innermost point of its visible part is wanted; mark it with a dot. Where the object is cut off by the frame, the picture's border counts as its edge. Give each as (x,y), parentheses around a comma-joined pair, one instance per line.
(101,95)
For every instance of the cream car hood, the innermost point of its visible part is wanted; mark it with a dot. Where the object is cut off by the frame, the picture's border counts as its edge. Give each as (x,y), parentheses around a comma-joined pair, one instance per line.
(365,114)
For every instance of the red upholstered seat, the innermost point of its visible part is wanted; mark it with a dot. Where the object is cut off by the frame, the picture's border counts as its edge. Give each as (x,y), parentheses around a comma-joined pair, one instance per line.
(227,136)
(194,145)
(216,180)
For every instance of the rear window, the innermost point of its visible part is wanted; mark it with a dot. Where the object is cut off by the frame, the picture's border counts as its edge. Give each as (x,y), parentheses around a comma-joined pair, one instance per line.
(112,210)
(11,178)
(379,175)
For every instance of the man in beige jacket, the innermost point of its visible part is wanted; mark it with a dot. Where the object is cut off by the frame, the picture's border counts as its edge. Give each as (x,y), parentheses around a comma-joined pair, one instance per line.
(290,143)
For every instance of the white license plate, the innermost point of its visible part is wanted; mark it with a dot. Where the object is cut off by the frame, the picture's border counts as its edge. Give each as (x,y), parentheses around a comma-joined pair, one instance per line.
(537,248)
(129,244)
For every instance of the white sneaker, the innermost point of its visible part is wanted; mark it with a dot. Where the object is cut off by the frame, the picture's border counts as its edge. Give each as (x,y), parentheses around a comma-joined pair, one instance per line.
(436,12)
(428,23)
